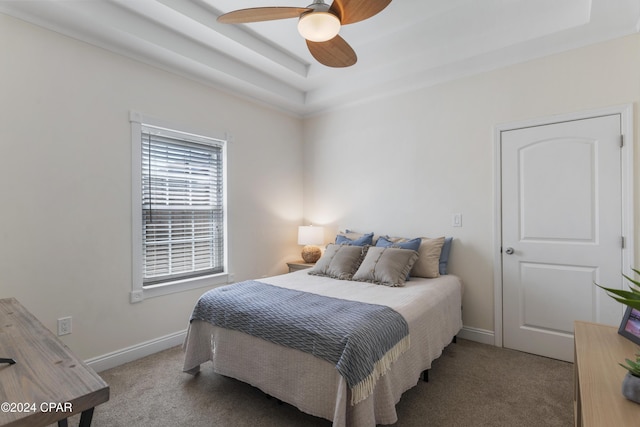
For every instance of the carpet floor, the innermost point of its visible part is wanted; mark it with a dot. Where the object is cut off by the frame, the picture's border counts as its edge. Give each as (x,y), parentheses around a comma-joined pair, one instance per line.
(471,384)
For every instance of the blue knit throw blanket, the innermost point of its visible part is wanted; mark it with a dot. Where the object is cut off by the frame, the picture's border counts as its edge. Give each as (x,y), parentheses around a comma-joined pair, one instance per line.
(361,339)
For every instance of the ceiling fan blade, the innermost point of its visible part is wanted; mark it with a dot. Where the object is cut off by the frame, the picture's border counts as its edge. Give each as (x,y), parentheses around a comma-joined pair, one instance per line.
(257,14)
(350,11)
(333,53)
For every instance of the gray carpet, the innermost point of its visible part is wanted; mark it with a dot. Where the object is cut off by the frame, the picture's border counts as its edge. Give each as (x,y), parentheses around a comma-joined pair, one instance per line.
(471,384)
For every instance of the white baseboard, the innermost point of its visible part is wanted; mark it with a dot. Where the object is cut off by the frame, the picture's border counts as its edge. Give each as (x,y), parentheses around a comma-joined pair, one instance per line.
(478,335)
(138,351)
(147,348)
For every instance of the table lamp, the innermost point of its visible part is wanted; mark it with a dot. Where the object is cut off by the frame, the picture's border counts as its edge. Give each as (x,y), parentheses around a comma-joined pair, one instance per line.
(310,236)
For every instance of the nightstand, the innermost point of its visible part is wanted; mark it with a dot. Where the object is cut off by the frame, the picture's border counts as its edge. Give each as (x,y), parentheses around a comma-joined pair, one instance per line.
(299,265)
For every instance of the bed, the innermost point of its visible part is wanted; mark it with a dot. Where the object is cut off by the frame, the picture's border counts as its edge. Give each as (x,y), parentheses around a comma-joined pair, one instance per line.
(430,306)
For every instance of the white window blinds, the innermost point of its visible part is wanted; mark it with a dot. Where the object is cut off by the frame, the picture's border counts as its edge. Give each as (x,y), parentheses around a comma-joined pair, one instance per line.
(182,205)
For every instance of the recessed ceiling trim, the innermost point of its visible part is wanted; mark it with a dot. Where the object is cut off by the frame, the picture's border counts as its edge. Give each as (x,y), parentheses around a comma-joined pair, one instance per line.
(139,39)
(408,45)
(237,35)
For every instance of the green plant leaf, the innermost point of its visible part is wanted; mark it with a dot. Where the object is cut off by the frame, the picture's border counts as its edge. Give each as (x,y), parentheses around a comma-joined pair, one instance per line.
(631,363)
(626,367)
(621,292)
(631,303)
(631,299)
(635,282)
(624,294)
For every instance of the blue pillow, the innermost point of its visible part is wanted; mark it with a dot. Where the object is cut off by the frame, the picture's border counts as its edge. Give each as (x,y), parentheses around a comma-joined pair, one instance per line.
(444,255)
(367,239)
(413,244)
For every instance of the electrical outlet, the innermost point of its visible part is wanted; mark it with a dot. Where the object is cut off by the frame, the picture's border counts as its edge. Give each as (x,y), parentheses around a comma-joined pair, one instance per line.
(64,326)
(136,296)
(456,220)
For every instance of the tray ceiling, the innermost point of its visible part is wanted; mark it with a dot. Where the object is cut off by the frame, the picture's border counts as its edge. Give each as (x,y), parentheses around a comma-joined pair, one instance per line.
(410,44)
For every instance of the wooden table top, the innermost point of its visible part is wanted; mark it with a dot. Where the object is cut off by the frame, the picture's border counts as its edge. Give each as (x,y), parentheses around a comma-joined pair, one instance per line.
(46,372)
(599,350)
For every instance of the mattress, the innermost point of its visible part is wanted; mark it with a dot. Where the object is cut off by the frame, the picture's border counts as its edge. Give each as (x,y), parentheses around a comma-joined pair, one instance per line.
(431,307)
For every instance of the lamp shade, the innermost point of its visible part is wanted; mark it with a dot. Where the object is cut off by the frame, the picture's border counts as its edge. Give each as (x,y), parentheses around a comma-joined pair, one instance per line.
(310,235)
(318,26)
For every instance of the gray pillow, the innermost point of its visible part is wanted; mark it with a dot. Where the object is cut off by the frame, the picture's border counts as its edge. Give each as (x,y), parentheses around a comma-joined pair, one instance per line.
(386,266)
(339,261)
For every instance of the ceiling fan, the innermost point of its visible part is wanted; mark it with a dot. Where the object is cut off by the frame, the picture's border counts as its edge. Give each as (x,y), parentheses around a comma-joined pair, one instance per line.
(318,23)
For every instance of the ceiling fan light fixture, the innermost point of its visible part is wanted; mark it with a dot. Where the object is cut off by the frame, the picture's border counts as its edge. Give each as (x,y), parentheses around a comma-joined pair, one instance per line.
(318,26)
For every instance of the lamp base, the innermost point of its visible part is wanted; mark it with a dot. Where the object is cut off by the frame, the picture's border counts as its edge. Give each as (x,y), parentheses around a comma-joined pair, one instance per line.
(311,253)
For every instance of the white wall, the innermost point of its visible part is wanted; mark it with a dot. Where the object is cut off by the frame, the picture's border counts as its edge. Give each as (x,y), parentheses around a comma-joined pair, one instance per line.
(403,165)
(400,166)
(65,184)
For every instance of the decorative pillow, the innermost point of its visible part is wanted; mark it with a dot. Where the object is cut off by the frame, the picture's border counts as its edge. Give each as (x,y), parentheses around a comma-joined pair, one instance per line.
(444,255)
(356,240)
(351,234)
(428,263)
(339,262)
(386,266)
(413,244)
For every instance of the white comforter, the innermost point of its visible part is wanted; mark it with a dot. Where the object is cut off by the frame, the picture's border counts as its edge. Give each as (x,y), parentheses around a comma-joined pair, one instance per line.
(431,307)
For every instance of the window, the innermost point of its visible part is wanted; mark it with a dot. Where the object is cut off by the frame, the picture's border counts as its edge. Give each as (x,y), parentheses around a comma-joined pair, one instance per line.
(179,209)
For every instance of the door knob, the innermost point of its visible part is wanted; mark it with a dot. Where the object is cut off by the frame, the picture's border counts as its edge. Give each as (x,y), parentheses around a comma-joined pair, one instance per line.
(509,251)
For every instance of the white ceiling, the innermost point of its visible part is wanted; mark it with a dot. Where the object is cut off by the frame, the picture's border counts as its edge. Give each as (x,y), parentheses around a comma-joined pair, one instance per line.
(410,44)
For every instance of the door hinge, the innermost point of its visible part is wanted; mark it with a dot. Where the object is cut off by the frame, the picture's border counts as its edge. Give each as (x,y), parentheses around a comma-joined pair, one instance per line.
(622,241)
(621,141)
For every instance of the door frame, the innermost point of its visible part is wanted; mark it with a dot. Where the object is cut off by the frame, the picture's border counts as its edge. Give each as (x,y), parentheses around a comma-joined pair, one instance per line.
(626,116)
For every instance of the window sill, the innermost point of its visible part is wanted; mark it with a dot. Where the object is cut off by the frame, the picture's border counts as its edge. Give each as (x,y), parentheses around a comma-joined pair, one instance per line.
(180,286)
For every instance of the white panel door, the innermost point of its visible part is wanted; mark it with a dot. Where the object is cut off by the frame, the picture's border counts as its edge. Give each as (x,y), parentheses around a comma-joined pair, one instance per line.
(561,231)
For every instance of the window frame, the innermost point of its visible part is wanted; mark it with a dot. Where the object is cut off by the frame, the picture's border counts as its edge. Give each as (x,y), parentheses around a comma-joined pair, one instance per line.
(139,291)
